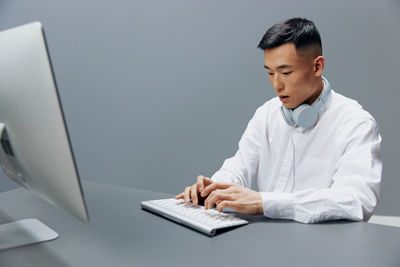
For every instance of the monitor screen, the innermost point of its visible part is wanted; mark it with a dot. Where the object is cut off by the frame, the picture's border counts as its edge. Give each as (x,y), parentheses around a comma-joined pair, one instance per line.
(35,148)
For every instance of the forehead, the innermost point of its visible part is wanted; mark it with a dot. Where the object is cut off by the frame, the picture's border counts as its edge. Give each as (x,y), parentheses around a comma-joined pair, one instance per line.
(282,55)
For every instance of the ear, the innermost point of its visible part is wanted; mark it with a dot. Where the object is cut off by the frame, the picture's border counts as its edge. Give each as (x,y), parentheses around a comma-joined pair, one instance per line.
(319,65)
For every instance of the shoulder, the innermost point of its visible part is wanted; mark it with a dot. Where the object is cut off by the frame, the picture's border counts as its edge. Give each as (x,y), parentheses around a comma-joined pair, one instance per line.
(271,105)
(348,110)
(266,114)
(349,116)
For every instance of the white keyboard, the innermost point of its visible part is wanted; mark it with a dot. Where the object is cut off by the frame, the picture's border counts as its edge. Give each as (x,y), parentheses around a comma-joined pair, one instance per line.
(205,221)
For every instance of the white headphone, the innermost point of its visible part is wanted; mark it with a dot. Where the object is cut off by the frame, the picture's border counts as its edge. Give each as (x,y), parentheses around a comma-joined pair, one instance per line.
(306,115)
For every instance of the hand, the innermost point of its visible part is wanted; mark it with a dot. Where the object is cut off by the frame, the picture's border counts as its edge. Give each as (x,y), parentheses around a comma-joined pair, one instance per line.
(193,192)
(233,196)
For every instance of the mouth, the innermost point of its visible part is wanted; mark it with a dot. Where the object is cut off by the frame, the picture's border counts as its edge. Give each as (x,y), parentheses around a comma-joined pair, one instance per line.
(284,98)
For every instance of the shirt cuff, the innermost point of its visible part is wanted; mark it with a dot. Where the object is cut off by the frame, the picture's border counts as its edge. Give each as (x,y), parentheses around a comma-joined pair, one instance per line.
(278,205)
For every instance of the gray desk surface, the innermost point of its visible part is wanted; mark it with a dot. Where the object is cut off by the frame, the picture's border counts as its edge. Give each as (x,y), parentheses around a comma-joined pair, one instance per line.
(121,234)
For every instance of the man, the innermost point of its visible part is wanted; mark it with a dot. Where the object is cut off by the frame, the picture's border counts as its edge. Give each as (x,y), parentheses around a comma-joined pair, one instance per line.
(314,153)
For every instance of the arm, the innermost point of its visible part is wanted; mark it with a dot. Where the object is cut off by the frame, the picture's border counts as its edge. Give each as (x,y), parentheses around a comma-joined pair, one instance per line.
(355,189)
(238,171)
(353,194)
(242,168)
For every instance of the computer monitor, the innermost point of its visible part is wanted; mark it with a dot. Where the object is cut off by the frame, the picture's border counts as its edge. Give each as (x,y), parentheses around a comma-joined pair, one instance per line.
(35,149)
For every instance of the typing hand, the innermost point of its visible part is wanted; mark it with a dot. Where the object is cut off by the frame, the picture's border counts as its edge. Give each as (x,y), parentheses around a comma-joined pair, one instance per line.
(193,192)
(232,196)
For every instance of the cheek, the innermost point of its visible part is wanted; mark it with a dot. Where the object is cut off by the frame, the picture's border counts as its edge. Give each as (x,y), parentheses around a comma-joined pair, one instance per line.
(295,84)
(302,80)
(299,79)
(298,86)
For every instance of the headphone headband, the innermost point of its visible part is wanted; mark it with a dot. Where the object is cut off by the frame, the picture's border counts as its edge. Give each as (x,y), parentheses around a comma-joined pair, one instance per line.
(323,97)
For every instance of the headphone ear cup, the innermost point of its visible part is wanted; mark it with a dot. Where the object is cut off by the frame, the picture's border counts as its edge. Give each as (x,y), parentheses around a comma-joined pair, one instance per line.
(287,115)
(305,116)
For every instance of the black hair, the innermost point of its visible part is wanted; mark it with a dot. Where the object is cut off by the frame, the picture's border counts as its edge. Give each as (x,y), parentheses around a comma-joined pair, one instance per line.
(301,32)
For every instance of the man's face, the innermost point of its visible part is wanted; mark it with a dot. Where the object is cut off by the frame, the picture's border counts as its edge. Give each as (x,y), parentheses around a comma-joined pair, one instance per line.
(293,76)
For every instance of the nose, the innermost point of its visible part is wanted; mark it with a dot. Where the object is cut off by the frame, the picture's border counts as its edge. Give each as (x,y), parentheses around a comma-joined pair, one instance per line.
(277,83)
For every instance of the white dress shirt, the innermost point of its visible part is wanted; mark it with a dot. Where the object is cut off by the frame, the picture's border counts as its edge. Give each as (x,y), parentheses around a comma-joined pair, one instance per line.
(327,172)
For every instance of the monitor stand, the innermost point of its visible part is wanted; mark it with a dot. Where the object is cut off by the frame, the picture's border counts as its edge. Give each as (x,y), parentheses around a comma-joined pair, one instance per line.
(24,232)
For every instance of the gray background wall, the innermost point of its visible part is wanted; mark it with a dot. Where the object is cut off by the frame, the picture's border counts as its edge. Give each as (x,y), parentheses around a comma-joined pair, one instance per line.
(156,92)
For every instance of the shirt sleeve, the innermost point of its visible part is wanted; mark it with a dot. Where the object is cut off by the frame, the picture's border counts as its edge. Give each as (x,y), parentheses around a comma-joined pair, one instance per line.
(354,192)
(242,167)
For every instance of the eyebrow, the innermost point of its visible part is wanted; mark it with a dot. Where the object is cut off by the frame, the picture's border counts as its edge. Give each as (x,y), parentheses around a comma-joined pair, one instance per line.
(280,67)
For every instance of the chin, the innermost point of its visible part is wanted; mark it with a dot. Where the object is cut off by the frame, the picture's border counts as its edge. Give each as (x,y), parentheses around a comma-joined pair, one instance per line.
(289,106)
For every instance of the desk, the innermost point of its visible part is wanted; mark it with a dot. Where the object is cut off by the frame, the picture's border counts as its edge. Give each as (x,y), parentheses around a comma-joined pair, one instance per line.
(121,234)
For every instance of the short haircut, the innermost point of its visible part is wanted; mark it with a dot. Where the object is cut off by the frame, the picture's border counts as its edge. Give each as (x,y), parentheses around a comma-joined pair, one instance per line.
(301,32)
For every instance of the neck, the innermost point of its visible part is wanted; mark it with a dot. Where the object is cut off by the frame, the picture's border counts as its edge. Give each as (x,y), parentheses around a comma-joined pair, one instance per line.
(319,85)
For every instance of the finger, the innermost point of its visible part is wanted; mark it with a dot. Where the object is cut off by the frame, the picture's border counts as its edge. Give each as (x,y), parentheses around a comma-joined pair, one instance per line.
(211,199)
(187,194)
(225,204)
(180,196)
(207,181)
(193,194)
(213,187)
(214,197)
(200,182)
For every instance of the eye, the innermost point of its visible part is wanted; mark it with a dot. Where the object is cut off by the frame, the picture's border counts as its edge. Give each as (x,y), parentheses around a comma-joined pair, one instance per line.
(287,73)
(270,73)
